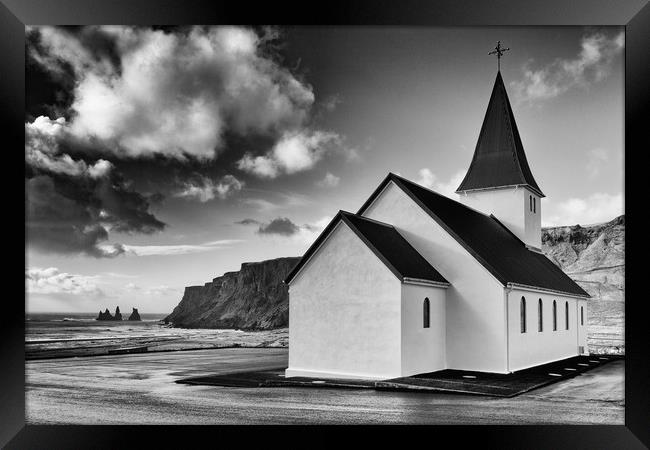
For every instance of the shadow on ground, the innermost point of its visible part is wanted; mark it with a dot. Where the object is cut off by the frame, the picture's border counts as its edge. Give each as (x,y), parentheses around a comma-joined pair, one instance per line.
(448,381)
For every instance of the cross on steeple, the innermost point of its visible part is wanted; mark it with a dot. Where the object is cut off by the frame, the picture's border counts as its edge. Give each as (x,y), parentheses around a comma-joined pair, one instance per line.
(499,51)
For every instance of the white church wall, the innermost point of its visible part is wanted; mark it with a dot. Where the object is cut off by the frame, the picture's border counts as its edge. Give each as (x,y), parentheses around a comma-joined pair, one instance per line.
(475,308)
(533,347)
(512,207)
(344,313)
(532,220)
(423,349)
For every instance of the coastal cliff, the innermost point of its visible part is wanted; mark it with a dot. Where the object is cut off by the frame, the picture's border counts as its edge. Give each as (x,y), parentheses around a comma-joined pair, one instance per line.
(253,298)
(593,256)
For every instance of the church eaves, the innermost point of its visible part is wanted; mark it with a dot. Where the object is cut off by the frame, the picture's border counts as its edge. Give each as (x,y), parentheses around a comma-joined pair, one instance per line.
(499,159)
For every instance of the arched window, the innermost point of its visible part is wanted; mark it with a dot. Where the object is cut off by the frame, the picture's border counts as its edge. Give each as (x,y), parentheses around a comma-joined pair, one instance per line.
(582,315)
(425,312)
(522,311)
(540,316)
(554,315)
(566,315)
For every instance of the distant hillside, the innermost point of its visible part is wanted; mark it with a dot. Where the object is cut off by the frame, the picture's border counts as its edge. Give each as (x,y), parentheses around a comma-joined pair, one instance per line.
(252,298)
(593,256)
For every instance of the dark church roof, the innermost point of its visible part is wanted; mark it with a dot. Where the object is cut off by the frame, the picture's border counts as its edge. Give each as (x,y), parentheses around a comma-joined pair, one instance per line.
(499,158)
(385,242)
(502,253)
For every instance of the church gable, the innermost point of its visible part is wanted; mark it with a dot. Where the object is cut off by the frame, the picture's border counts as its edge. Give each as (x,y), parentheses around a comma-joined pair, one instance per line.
(385,242)
(489,242)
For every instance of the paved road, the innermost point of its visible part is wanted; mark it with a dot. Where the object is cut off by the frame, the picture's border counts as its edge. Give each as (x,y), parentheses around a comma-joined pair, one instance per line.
(140,389)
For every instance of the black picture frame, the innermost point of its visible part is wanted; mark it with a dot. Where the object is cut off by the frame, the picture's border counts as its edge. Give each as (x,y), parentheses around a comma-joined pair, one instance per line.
(633,14)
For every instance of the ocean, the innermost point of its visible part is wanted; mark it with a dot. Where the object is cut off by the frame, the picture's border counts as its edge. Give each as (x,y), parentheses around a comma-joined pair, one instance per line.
(41,326)
(56,335)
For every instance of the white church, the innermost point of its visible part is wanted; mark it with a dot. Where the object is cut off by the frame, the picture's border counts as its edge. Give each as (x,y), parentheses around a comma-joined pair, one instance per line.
(416,282)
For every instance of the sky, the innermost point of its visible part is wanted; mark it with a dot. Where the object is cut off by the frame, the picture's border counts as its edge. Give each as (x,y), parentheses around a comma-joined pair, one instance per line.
(161,157)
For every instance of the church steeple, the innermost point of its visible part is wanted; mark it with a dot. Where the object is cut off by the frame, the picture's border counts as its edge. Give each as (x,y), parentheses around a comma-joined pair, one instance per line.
(499,180)
(499,159)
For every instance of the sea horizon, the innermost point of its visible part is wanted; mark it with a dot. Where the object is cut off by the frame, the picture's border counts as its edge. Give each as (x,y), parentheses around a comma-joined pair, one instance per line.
(88,312)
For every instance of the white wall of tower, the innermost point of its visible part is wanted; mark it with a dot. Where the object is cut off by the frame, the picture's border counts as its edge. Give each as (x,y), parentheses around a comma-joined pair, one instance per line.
(518,208)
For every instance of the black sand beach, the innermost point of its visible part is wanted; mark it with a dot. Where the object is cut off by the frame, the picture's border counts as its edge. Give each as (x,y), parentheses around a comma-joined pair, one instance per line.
(141,389)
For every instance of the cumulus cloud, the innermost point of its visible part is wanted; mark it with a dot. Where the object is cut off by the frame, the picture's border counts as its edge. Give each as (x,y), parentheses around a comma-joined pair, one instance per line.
(591,65)
(597,208)
(204,189)
(428,179)
(294,152)
(176,94)
(330,180)
(42,151)
(51,281)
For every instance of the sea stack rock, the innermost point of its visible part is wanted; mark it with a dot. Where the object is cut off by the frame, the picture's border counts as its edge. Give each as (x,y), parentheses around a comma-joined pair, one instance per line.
(134,315)
(118,315)
(106,315)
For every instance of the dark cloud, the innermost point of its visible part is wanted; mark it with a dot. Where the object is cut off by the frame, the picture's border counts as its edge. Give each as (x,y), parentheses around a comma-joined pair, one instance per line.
(73,215)
(248,222)
(282,226)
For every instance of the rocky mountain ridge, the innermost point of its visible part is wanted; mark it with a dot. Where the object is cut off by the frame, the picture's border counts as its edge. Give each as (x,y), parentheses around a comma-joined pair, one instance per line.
(593,256)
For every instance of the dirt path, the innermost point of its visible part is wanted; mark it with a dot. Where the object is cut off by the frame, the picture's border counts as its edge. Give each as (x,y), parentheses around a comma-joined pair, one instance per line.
(140,389)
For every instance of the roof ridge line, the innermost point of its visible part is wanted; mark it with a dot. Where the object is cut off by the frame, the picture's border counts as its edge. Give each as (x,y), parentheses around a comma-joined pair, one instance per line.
(359,216)
(372,247)
(507,229)
(495,273)
(378,253)
(448,198)
(346,218)
(514,133)
(480,133)
(511,135)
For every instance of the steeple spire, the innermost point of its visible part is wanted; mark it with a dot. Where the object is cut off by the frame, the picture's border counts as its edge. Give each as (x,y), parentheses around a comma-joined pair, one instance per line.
(499,159)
